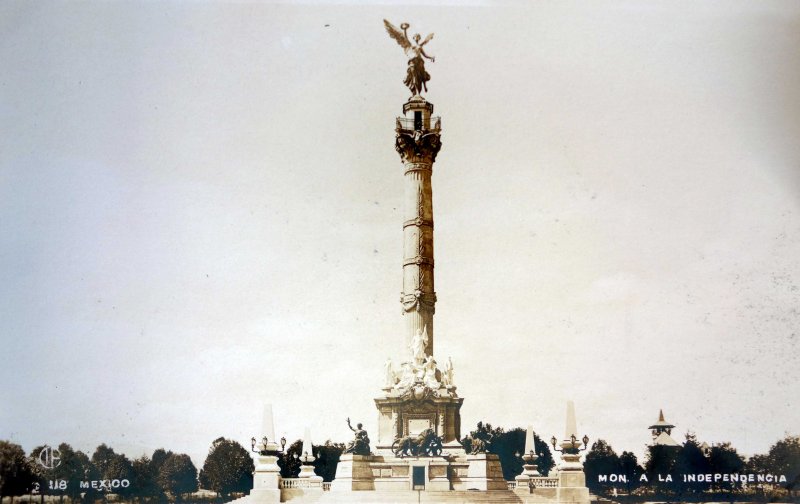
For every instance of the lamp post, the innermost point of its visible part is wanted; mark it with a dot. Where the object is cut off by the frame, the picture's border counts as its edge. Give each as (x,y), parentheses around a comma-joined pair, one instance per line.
(267,475)
(525,483)
(530,467)
(307,459)
(570,452)
(267,448)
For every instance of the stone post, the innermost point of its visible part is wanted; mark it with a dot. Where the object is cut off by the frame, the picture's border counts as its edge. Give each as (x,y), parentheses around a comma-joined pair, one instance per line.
(307,459)
(529,457)
(417,142)
(267,475)
(571,478)
(266,480)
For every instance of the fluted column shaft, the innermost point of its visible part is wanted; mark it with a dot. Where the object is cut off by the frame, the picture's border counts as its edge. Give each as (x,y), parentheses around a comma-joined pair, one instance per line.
(418,287)
(418,143)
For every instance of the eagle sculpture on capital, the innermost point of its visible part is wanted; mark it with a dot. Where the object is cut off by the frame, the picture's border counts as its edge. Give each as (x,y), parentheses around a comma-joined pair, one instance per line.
(416,76)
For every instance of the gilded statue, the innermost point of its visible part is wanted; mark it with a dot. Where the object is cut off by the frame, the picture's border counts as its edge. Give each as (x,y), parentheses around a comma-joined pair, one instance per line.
(416,76)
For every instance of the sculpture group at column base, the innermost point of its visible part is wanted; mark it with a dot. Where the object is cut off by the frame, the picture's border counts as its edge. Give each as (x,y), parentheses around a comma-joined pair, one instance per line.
(405,415)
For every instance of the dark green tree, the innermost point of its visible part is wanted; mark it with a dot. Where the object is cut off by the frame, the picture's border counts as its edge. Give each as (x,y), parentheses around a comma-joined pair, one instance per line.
(88,473)
(290,466)
(629,466)
(601,461)
(156,461)
(16,475)
(690,460)
(158,458)
(660,463)
(74,468)
(724,459)
(112,466)
(144,480)
(40,473)
(545,462)
(327,459)
(178,475)
(102,458)
(508,446)
(119,468)
(228,468)
(783,458)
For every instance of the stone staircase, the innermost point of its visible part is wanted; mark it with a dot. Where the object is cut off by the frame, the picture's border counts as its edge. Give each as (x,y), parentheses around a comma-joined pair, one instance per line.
(409,496)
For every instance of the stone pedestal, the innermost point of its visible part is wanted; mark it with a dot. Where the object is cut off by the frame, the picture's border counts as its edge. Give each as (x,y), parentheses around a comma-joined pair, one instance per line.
(530,470)
(266,481)
(392,474)
(570,462)
(404,415)
(436,473)
(572,480)
(569,479)
(484,473)
(354,472)
(523,484)
(572,488)
(307,471)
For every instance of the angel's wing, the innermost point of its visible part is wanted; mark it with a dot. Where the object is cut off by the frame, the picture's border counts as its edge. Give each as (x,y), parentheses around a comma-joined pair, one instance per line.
(397,34)
(427,39)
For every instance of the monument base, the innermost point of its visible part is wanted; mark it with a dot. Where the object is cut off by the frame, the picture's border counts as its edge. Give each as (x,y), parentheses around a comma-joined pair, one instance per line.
(572,486)
(266,481)
(483,473)
(407,415)
(353,473)
(414,497)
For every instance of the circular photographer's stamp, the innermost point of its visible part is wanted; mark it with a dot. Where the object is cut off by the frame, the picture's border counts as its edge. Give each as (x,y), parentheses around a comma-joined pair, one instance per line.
(49,458)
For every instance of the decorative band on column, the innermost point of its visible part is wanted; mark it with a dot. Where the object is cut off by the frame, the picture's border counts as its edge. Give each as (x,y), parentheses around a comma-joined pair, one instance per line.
(419,221)
(418,300)
(419,167)
(418,260)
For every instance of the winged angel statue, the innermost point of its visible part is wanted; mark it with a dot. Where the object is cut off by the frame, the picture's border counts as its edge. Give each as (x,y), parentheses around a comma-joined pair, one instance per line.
(416,76)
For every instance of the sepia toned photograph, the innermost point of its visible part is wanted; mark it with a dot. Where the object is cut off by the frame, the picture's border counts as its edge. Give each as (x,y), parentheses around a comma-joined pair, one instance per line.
(385,252)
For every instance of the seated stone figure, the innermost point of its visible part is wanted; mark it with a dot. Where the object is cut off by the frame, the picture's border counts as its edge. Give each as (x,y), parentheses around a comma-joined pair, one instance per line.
(360,444)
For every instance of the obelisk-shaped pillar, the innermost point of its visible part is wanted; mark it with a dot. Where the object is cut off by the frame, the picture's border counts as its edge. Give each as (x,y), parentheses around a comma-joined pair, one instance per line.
(418,142)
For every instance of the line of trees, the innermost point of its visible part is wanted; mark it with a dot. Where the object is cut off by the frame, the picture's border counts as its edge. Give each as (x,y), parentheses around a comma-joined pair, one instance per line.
(165,476)
(80,478)
(665,467)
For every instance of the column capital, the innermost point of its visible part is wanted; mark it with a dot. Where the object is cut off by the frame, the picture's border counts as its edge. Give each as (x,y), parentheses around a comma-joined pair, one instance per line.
(418,149)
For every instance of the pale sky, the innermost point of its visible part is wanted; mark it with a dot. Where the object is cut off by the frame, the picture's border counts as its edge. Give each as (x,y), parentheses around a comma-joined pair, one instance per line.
(200,212)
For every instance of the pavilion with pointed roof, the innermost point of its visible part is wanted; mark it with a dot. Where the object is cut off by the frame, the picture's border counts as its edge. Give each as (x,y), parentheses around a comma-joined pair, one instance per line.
(662,431)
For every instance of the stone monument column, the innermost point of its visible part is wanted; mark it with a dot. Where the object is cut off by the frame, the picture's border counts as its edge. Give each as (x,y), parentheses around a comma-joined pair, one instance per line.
(418,143)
